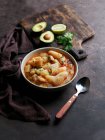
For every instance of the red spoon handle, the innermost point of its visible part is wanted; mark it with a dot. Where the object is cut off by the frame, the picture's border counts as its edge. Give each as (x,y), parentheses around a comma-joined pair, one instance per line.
(65,108)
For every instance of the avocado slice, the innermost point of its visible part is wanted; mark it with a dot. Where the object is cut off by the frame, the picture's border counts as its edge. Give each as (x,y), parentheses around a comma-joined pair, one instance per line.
(39,27)
(47,37)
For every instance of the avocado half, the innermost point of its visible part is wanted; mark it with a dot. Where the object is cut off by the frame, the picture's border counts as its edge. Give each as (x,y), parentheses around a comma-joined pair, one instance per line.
(47,37)
(39,27)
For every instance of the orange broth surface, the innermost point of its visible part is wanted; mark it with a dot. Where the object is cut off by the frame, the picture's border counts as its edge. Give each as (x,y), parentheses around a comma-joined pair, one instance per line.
(49,69)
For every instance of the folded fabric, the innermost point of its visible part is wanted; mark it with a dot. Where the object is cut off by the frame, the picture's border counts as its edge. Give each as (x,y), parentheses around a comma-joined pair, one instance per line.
(13,104)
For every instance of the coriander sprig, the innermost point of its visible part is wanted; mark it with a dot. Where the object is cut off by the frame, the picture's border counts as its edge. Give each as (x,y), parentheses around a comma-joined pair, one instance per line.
(66,40)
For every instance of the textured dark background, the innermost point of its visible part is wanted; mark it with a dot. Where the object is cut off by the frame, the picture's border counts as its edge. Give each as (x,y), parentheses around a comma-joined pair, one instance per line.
(86,119)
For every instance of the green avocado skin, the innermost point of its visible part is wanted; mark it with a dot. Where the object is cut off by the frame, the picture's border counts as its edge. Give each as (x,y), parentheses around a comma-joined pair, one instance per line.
(50,40)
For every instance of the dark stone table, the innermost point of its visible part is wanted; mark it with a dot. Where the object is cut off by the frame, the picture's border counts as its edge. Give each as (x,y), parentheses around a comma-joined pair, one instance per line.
(86,119)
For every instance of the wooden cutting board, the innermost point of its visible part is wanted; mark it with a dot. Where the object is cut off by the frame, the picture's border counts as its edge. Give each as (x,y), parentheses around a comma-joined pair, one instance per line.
(64,14)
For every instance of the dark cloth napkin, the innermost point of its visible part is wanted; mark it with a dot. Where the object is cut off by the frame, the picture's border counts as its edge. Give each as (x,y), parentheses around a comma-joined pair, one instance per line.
(13,103)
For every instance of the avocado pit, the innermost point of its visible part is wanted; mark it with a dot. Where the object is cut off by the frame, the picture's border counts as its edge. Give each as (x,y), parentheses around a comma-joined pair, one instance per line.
(47,36)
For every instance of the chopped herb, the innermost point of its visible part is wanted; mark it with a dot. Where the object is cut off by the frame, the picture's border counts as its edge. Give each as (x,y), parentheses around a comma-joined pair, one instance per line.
(40,69)
(66,40)
(62,62)
(50,72)
(48,57)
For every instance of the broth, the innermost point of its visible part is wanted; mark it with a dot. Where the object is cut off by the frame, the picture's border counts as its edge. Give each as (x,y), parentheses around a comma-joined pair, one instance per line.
(49,69)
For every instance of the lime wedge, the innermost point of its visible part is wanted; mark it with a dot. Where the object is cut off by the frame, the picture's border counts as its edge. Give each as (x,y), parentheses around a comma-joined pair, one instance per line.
(58,28)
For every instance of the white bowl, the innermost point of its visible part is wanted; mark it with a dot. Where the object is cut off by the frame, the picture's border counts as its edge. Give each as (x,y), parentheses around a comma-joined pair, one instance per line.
(29,55)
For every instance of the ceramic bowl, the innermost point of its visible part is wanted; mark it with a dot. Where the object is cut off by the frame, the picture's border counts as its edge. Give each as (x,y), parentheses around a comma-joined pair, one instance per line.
(29,55)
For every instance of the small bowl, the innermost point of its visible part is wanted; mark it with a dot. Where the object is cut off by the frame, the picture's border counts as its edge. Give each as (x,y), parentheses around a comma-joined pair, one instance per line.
(29,55)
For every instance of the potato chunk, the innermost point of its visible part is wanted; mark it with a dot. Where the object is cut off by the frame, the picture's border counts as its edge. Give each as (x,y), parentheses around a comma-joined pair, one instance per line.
(36,61)
(27,68)
(44,56)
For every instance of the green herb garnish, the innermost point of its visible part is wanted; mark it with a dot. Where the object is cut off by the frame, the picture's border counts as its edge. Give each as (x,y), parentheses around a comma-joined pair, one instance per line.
(66,40)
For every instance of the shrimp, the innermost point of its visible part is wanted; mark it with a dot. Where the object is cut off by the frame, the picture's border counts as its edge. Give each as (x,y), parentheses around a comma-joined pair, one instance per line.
(43,54)
(38,79)
(58,79)
(56,71)
(63,60)
(41,79)
(55,54)
(51,58)
(42,72)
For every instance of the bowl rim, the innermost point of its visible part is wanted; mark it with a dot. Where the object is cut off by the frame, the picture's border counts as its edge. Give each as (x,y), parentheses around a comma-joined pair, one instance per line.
(44,48)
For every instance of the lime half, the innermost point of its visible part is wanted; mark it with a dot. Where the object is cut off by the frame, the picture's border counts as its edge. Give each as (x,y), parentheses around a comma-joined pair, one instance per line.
(58,28)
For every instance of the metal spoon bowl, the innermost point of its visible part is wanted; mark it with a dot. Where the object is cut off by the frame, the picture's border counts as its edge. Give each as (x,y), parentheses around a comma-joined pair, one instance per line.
(82,86)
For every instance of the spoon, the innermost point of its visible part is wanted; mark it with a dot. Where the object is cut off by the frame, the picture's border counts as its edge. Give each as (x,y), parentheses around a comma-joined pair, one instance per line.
(82,86)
